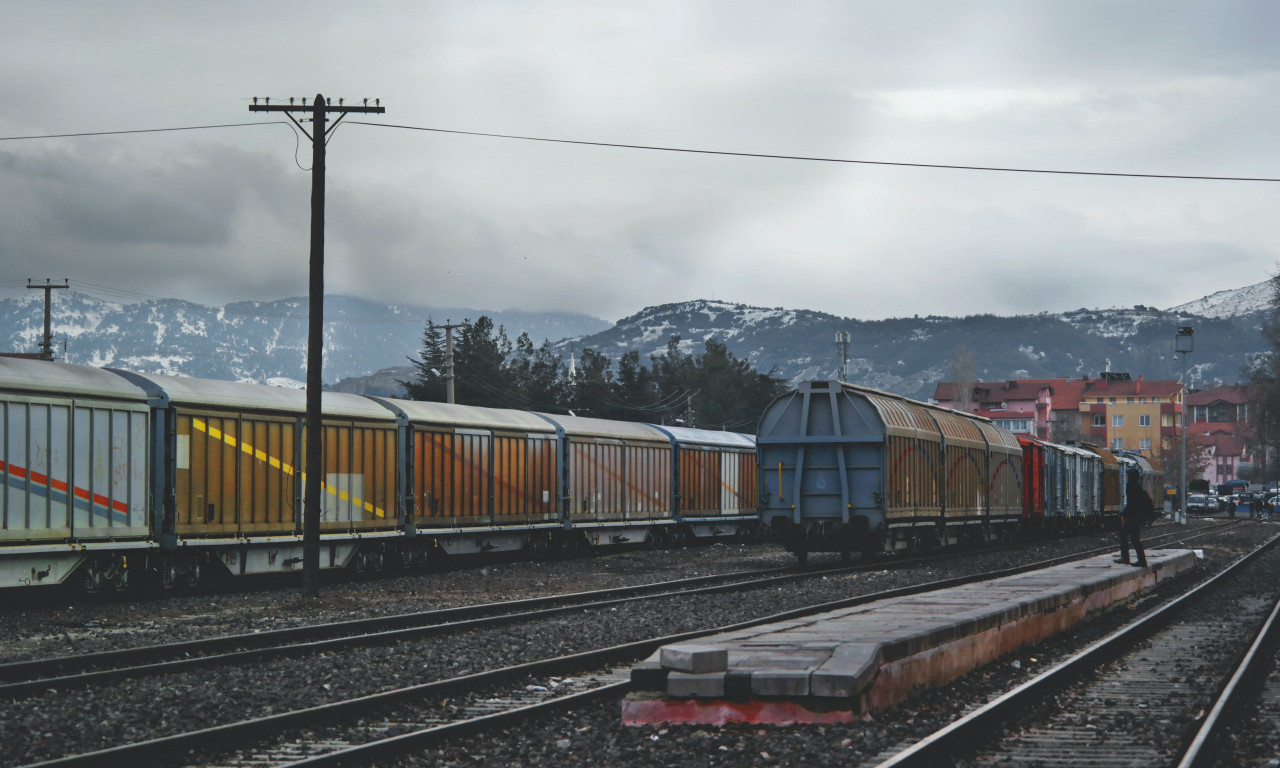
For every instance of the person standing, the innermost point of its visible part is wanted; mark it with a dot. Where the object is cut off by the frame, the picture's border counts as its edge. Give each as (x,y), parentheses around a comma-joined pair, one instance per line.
(1138,511)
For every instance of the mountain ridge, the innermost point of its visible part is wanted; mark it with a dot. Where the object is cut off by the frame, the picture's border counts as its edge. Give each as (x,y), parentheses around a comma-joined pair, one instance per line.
(368,345)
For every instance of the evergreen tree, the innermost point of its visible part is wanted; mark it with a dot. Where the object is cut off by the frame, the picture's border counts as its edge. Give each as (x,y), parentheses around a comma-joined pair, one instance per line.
(428,382)
(713,390)
(593,390)
(479,356)
(634,387)
(674,378)
(537,377)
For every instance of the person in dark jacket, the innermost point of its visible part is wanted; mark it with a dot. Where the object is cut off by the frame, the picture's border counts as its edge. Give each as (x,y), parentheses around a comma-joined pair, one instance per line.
(1138,511)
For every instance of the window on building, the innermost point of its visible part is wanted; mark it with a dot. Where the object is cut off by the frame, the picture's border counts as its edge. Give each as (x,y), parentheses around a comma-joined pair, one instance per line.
(1015,425)
(1144,420)
(1099,420)
(1117,444)
(1166,419)
(1111,401)
(1142,399)
(1099,400)
(1117,420)
(1129,400)
(1144,444)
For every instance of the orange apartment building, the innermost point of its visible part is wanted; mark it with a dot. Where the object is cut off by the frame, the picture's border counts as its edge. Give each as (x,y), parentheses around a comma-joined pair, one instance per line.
(1114,410)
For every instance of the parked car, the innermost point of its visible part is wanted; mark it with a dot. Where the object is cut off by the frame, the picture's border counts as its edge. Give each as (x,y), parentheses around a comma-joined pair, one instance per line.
(1199,502)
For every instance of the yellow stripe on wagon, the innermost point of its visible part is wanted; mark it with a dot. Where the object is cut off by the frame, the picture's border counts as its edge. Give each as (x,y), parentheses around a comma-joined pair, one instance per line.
(287,469)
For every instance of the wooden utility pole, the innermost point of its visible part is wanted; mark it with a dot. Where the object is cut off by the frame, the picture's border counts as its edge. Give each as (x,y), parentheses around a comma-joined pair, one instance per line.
(320,109)
(46,346)
(449,376)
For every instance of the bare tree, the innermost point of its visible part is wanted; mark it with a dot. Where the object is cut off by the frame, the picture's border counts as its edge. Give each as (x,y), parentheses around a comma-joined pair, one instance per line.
(1199,456)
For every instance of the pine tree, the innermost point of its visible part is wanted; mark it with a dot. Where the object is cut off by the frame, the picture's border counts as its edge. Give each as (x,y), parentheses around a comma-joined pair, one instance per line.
(537,377)
(479,356)
(428,382)
(593,390)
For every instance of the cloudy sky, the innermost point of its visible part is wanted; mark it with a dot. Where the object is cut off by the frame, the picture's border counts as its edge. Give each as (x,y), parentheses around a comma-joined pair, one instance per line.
(218,215)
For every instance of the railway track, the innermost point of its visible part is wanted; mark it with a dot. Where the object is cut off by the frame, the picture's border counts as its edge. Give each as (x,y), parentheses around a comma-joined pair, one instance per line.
(409,717)
(1136,697)
(26,677)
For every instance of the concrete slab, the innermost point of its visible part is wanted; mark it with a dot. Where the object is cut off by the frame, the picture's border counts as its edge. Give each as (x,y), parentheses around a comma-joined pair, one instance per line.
(702,686)
(835,666)
(695,659)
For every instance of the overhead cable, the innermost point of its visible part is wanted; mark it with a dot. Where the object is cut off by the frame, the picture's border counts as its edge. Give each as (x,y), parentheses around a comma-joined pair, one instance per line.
(812,159)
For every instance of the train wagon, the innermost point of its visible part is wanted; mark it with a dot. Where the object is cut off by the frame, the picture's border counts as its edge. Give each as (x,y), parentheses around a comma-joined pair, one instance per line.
(74,447)
(1035,482)
(1074,477)
(714,481)
(846,468)
(1111,484)
(234,462)
(477,480)
(110,473)
(615,484)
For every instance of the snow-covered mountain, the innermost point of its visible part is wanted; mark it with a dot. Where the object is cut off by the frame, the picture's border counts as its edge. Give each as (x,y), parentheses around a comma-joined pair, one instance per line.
(1248,300)
(263,342)
(266,341)
(910,355)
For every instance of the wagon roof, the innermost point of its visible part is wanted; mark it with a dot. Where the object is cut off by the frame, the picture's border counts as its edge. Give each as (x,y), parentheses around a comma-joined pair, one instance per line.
(52,378)
(182,390)
(582,426)
(468,416)
(1108,458)
(903,416)
(711,437)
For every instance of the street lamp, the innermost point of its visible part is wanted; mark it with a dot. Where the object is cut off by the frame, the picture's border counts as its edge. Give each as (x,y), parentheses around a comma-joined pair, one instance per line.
(1184,344)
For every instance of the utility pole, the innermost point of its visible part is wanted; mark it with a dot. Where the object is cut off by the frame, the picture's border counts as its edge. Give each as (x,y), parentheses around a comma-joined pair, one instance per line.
(842,344)
(449,376)
(1183,344)
(46,346)
(319,109)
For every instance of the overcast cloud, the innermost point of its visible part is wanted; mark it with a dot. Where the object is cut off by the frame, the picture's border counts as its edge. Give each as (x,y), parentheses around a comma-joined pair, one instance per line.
(223,215)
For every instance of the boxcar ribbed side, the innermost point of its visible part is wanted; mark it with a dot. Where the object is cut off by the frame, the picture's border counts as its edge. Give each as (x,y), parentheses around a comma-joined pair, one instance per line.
(74,459)
(845,467)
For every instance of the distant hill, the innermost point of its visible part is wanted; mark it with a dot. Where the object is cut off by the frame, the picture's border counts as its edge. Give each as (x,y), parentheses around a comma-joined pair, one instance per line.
(368,344)
(909,356)
(249,341)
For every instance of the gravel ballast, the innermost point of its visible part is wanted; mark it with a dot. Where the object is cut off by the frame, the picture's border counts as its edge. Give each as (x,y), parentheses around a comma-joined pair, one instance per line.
(56,723)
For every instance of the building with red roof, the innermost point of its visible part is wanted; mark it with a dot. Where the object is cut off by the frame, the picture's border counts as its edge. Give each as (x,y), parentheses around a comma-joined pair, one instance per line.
(1221,420)
(1114,409)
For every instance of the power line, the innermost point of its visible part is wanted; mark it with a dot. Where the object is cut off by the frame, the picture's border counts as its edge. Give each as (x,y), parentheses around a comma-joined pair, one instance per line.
(139,130)
(811,159)
(685,150)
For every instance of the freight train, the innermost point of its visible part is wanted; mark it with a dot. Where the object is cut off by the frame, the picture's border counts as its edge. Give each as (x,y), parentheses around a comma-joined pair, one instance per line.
(109,475)
(848,469)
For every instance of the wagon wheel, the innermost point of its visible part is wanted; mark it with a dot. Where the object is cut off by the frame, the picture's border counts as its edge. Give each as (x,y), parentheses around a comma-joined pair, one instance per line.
(538,547)
(193,576)
(91,583)
(168,573)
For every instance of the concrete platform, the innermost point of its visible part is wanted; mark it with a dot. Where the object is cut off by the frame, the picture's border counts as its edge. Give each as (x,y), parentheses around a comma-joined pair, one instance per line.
(836,666)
